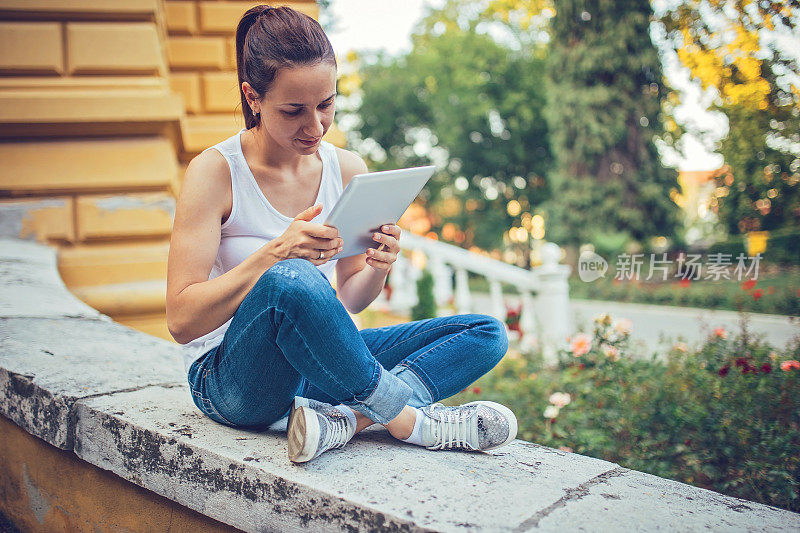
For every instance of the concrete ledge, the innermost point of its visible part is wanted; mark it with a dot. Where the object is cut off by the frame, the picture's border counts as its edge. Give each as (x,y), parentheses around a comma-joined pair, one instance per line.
(118,399)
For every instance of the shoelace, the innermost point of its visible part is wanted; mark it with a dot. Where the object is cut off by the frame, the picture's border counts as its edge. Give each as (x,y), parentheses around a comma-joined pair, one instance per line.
(452,430)
(337,432)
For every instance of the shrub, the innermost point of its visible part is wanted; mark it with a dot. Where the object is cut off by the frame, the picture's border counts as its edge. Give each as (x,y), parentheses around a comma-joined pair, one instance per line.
(735,245)
(783,246)
(426,304)
(725,417)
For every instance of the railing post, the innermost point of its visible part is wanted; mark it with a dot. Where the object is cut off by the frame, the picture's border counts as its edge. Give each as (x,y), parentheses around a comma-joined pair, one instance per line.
(498,306)
(527,320)
(403,283)
(552,302)
(463,298)
(442,280)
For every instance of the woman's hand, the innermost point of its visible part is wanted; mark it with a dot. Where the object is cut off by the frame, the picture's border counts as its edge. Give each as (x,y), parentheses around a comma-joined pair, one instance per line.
(307,240)
(386,254)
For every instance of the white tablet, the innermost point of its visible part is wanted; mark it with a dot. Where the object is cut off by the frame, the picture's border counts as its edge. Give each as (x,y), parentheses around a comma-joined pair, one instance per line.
(372,200)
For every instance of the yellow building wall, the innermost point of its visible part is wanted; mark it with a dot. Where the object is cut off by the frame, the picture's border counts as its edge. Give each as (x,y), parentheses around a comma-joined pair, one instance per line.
(102,105)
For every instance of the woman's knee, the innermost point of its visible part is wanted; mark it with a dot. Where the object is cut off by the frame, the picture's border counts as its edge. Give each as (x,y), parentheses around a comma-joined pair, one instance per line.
(295,275)
(495,336)
(294,268)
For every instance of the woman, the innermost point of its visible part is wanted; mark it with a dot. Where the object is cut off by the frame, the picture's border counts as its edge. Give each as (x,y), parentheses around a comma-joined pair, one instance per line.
(264,333)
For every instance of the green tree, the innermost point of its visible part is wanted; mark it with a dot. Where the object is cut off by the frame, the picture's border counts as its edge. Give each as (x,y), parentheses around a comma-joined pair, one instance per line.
(604,109)
(731,46)
(759,186)
(472,105)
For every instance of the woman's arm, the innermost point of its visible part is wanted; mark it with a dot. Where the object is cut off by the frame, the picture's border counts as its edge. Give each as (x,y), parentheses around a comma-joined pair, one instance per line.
(359,283)
(195,304)
(364,277)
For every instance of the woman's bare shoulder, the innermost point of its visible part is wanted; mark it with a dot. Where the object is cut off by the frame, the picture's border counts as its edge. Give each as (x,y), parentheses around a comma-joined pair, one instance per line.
(209,176)
(351,164)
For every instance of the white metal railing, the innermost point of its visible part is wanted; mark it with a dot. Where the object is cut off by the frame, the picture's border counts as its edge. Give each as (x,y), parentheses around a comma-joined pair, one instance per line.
(544,290)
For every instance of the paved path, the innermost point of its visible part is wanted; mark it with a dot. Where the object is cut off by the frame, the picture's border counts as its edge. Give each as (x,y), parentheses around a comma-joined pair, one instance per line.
(690,324)
(654,325)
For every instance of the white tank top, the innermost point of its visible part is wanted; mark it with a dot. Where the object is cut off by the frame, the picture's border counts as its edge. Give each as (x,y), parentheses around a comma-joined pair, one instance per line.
(254,221)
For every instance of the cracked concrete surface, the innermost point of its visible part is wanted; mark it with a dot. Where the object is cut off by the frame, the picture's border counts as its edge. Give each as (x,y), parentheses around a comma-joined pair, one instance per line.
(118,399)
(571,495)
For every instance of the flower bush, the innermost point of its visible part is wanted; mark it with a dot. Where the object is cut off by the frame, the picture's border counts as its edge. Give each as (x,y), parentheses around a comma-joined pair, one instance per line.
(724,416)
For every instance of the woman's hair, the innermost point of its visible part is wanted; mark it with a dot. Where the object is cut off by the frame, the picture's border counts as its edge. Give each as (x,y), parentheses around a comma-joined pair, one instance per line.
(270,38)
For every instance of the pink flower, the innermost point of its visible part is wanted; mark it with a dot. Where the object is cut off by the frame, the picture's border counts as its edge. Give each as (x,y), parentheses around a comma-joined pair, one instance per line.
(581,344)
(610,351)
(551,412)
(565,449)
(786,366)
(560,399)
(623,326)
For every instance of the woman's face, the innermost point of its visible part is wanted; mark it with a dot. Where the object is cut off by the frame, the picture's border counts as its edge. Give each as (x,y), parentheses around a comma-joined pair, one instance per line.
(298,109)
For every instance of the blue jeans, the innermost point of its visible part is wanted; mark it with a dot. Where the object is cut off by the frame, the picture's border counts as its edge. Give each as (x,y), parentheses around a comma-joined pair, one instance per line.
(291,336)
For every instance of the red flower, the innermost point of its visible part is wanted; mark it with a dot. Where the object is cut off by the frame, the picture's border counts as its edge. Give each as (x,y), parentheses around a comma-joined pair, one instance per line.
(749,284)
(581,366)
(723,371)
(758,293)
(685,282)
(476,390)
(687,442)
(790,364)
(766,368)
(741,361)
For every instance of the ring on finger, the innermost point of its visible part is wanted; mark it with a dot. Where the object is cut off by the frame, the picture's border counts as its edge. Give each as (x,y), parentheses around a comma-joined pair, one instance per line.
(321,255)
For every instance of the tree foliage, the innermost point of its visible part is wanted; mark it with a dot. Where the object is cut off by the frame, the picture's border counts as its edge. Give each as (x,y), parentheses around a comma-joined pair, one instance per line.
(604,97)
(470,104)
(731,47)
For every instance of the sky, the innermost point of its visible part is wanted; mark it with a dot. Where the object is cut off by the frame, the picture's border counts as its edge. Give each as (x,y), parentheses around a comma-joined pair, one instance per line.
(381,25)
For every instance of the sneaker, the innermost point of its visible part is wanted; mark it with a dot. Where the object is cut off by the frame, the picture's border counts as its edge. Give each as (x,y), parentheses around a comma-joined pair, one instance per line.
(311,432)
(299,401)
(477,425)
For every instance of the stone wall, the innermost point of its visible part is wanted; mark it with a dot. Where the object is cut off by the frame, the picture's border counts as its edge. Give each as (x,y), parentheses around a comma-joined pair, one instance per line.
(104,397)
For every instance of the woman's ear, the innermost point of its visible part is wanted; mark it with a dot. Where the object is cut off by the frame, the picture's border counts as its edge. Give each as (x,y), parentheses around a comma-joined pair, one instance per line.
(251,95)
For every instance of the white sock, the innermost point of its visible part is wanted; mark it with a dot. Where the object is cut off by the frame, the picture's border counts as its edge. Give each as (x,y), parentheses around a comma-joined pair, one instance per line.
(347,411)
(416,434)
